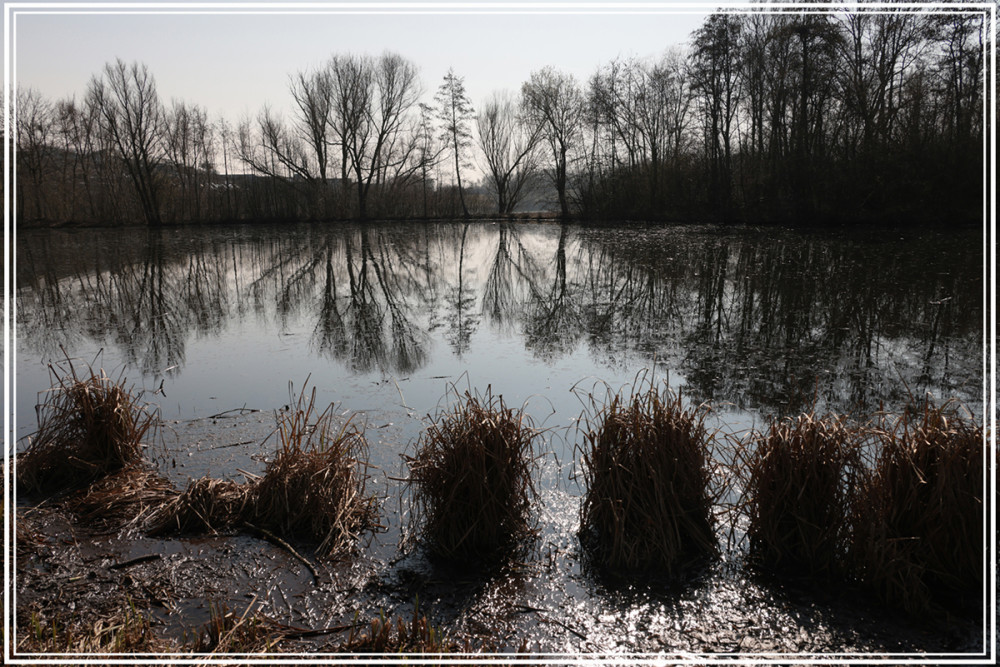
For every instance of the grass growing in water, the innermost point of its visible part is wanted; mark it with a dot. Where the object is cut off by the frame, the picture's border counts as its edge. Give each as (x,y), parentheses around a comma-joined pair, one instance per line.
(648,500)
(225,632)
(918,518)
(797,479)
(415,636)
(126,631)
(88,427)
(315,485)
(472,480)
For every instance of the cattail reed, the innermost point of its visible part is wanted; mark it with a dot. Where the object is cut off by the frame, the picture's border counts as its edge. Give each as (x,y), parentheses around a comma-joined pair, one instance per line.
(648,500)
(472,480)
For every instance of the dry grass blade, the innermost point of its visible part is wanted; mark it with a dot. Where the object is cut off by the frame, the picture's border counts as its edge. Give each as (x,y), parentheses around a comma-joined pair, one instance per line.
(27,538)
(648,500)
(87,428)
(918,517)
(316,485)
(472,480)
(796,478)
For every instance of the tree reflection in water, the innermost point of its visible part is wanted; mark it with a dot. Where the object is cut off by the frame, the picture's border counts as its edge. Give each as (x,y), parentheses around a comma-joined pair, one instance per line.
(768,320)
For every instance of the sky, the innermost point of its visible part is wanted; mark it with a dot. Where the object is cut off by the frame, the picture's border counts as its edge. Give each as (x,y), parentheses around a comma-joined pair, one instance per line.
(232,62)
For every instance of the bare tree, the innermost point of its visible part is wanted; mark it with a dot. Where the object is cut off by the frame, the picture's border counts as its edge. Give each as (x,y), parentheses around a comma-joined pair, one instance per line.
(508,141)
(131,117)
(372,100)
(187,144)
(313,96)
(554,100)
(428,150)
(34,127)
(715,70)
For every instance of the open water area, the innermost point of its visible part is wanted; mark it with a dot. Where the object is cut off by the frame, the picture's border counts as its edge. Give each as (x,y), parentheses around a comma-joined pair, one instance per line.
(220,327)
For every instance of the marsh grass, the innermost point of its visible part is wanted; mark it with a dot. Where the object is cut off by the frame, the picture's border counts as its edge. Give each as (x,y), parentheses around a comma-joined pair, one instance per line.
(127,498)
(383,636)
(472,480)
(918,516)
(229,632)
(88,427)
(797,477)
(648,498)
(315,487)
(127,630)
(206,505)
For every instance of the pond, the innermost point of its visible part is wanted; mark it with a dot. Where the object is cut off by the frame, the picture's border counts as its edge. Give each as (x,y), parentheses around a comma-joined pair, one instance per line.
(221,326)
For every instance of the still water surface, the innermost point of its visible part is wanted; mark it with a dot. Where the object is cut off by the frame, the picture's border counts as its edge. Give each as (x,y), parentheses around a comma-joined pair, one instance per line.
(386,319)
(758,322)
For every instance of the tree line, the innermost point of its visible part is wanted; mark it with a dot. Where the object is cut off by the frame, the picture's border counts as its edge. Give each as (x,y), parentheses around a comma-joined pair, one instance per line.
(872,115)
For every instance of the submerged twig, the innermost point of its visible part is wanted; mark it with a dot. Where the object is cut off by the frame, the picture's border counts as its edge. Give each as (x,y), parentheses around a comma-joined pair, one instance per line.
(288,547)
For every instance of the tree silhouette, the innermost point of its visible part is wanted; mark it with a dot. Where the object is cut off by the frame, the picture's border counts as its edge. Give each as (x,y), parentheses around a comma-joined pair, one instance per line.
(554,101)
(131,116)
(455,113)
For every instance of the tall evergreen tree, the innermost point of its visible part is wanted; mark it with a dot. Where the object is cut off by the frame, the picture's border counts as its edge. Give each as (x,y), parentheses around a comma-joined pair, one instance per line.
(455,112)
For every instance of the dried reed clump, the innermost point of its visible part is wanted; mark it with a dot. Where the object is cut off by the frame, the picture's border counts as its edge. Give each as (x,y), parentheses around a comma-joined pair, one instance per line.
(315,486)
(206,505)
(797,477)
(648,497)
(918,516)
(87,428)
(471,479)
(127,498)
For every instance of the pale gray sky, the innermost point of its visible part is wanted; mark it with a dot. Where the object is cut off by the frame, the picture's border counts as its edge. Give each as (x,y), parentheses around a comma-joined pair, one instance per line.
(233,63)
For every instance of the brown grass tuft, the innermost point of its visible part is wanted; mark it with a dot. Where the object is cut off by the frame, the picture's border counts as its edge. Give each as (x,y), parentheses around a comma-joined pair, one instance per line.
(918,519)
(127,498)
(796,478)
(315,486)
(472,480)
(87,428)
(648,500)
(206,505)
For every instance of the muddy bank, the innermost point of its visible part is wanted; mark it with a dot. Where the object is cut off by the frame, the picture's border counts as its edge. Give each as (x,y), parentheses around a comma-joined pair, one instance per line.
(73,578)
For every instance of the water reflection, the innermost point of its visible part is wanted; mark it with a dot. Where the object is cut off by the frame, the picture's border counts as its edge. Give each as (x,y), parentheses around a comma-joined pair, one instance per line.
(769,320)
